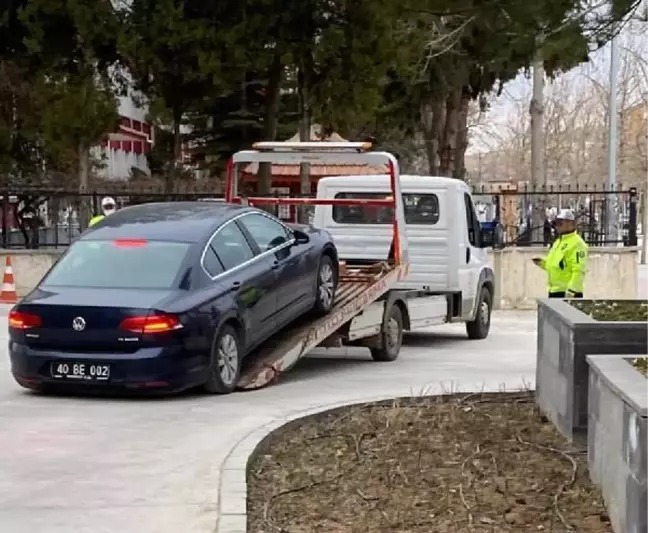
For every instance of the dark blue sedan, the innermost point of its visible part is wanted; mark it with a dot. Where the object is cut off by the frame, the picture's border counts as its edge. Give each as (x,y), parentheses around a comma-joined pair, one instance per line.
(169,296)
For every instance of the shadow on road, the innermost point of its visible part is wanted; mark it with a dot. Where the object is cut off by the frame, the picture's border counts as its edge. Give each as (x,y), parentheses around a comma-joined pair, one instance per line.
(425,339)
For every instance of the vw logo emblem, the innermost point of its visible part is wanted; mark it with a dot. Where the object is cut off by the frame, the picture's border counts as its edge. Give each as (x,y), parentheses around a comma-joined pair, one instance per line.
(78,324)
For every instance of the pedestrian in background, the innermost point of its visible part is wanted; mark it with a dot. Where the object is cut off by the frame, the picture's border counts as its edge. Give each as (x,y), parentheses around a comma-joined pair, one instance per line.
(566,261)
(108,206)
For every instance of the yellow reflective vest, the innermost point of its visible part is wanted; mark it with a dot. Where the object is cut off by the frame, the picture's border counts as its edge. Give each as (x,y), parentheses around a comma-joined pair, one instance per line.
(566,263)
(95,219)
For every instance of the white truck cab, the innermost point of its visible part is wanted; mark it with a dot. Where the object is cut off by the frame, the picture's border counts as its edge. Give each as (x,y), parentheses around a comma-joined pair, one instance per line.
(447,247)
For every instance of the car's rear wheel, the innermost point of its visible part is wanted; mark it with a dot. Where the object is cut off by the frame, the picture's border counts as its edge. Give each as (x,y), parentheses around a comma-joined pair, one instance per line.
(327,280)
(224,362)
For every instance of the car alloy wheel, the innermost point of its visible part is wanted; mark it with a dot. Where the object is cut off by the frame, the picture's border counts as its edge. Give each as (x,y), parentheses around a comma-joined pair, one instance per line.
(326,286)
(228,359)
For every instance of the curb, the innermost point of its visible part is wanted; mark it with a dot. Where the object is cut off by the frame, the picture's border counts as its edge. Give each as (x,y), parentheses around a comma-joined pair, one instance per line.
(232,490)
(232,493)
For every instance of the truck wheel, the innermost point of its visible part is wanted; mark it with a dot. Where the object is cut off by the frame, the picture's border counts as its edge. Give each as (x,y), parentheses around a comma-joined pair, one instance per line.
(479,328)
(327,280)
(391,336)
(224,362)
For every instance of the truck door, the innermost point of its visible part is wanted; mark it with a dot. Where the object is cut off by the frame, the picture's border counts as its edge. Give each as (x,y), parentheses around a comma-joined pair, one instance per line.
(472,258)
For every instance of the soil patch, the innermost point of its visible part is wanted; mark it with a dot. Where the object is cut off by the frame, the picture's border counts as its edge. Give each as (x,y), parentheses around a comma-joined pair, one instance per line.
(614,310)
(476,463)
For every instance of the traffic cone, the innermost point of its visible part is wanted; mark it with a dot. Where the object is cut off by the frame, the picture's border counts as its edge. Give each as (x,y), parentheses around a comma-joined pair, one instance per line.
(8,294)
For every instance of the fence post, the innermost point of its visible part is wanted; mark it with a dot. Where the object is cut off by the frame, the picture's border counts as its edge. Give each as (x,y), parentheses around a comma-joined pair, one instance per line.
(644,225)
(632,217)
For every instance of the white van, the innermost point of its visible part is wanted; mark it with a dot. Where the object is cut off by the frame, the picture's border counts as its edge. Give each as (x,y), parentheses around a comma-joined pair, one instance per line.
(447,246)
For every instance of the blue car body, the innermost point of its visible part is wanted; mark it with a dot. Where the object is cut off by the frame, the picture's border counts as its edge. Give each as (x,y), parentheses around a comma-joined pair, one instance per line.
(138,299)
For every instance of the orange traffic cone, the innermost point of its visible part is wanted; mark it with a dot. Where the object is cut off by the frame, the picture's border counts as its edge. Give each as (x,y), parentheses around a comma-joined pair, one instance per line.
(8,294)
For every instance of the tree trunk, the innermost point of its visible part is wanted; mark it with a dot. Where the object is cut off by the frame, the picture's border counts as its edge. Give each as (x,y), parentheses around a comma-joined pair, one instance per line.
(449,138)
(83,157)
(536,109)
(304,85)
(177,151)
(432,117)
(270,119)
(461,142)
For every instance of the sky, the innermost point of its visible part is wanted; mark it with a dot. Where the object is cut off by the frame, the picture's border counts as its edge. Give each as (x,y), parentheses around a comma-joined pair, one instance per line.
(633,46)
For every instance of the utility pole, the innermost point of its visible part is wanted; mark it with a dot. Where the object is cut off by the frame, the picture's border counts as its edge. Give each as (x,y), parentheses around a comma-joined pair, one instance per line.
(536,111)
(611,214)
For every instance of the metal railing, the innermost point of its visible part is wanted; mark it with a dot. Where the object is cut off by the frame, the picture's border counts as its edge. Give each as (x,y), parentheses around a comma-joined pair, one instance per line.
(41,218)
(523,213)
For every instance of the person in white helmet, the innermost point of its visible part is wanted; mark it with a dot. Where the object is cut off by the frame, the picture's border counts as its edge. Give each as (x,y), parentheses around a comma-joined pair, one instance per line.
(108,206)
(566,261)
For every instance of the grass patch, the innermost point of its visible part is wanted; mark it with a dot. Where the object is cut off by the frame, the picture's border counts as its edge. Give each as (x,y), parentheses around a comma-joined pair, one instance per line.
(641,364)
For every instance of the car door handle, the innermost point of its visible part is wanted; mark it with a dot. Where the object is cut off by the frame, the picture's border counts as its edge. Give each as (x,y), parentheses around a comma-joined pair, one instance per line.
(235,286)
(275,265)
(467,255)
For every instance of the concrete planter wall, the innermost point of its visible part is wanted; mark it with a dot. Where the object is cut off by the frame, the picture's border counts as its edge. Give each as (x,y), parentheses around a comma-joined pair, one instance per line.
(566,336)
(617,452)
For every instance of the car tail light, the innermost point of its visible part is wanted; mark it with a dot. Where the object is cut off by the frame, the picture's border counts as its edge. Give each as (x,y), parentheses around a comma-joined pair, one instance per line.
(150,324)
(20,320)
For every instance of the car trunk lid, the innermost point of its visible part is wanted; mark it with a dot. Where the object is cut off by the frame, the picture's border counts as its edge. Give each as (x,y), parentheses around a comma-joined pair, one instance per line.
(88,320)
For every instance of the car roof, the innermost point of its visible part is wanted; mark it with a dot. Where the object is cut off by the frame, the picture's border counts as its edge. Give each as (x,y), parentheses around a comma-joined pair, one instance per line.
(166,221)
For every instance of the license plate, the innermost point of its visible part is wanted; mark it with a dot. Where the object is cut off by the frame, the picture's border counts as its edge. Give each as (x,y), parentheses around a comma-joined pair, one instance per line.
(80,371)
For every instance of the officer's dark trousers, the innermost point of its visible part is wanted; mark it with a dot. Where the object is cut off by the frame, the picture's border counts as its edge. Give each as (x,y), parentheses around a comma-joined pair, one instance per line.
(563,295)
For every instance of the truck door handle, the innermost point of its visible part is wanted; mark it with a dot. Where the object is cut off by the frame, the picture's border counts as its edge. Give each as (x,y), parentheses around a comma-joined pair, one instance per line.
(467,255)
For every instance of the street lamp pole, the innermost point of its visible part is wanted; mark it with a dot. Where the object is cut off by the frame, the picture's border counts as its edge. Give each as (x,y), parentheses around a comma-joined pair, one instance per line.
(612,232)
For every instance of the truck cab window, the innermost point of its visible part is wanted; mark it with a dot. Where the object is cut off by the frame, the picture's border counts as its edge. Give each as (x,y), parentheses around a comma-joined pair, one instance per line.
(420,209)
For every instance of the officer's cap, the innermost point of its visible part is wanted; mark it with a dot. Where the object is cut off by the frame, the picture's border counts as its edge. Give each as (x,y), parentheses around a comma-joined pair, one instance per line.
(566,214)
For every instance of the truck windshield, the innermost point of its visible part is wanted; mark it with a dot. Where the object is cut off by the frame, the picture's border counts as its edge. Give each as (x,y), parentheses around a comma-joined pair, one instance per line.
(419,209)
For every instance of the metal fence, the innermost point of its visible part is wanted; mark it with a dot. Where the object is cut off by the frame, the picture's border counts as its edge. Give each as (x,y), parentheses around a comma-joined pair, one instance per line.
(53,218)
(35,218)
(526,213)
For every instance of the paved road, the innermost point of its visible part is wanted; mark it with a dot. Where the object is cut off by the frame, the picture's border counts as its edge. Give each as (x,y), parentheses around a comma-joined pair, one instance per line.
(77,465)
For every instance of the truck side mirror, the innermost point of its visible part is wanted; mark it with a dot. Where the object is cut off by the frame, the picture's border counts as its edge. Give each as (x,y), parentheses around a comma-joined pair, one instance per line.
(492,235)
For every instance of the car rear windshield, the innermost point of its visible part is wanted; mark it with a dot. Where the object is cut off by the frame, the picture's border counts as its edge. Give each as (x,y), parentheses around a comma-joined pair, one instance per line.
(121,263)
(419,209)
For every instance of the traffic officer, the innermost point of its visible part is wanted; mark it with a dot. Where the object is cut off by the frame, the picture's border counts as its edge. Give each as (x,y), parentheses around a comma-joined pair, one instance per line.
(566,261)
(108,206)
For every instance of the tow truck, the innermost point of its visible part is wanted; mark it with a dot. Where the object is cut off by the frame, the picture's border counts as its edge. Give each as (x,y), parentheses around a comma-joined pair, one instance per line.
(365,311)
(374,303)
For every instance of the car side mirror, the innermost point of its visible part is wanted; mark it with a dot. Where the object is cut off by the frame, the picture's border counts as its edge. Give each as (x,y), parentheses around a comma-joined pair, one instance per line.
(301,237)
(492,235)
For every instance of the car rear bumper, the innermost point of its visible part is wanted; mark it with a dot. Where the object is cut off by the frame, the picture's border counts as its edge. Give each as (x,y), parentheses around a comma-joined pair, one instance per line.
(151,369)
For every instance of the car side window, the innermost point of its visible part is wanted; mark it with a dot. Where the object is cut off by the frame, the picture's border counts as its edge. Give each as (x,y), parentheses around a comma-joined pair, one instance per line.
(472,222)
(211,263)
(266,232)
(231,246)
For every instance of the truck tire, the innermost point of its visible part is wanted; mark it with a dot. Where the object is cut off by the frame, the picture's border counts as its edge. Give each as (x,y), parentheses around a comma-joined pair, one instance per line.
(479,328)
(391,336)
(326,286)
(224,362)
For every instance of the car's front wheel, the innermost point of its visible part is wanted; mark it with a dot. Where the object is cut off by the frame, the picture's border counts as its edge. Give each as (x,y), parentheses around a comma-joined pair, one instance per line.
(327,280)
(224,362)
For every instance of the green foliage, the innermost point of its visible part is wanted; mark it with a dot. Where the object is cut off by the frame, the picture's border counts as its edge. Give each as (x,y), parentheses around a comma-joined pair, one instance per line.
(390,69)
(75,111)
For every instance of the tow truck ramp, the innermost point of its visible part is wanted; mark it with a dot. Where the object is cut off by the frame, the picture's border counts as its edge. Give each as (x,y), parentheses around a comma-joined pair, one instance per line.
(356,291)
